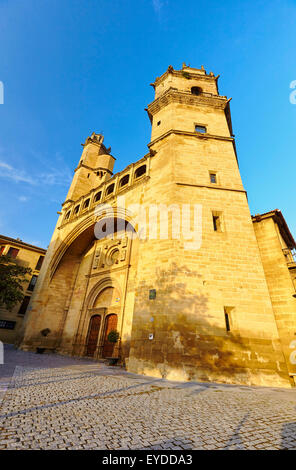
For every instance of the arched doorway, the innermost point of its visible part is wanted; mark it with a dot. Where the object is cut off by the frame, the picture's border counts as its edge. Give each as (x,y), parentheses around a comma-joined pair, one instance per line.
(110,324)
(93,334)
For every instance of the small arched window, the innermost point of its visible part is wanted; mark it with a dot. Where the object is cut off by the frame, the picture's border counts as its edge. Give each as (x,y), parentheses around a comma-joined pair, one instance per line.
(140,171)
(196,90)
(86,203)
(98,196)
(110,189)
(124,181)
(76,209)
(68,215)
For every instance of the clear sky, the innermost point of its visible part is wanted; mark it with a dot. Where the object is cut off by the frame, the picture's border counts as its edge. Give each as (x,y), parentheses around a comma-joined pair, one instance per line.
(71,67)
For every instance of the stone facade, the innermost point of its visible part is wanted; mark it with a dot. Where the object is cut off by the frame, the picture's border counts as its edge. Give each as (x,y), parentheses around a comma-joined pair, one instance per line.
(28,256)
(277,250)
(199,308)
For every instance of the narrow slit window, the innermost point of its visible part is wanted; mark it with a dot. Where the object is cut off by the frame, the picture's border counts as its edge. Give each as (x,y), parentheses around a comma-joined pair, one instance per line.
(217,221)
(227,322)
(228,318)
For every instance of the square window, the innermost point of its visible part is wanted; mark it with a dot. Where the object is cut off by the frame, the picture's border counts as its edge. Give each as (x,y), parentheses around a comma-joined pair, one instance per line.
(13,252)
(213,178)
(152,294)
(200,129)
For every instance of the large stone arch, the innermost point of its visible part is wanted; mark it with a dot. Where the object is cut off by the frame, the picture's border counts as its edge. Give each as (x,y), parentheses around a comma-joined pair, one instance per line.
(80,229)
(57,305)
(74,318)
(59,289)
(102,212)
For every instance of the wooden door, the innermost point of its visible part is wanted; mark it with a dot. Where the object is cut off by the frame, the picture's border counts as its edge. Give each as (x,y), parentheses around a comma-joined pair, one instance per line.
(110,324)
(94,329)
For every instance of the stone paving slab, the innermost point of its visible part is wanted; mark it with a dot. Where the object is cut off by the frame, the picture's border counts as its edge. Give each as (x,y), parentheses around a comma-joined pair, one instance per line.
(54,402)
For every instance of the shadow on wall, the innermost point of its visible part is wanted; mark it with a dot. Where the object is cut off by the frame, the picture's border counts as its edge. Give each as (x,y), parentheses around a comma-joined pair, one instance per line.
(57,292)
(188,339)
(54,297)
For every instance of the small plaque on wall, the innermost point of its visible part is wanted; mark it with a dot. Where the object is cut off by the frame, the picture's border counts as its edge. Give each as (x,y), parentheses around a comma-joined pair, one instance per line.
(152,294)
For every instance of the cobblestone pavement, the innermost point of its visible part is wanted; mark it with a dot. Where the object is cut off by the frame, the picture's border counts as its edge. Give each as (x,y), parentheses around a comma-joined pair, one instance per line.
(55,402)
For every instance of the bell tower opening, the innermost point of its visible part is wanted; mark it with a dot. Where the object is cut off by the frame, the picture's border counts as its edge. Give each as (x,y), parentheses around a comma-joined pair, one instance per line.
(185,98)
(95,166)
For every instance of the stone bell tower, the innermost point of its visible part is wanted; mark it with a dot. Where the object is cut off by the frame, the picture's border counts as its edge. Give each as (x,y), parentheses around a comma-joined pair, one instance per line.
(95,167)
(212,314)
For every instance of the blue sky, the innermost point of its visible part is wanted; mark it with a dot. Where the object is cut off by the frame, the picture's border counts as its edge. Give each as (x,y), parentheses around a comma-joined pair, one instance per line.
(71,67)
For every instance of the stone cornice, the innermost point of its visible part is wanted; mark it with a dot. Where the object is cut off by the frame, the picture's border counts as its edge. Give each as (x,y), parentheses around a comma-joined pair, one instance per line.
(92,169)
(190,134)
(211,187)
(20,244)
(67,201)
(172,95)
(108,199)
(113,178)
(109,269)
(197,73)
(278,217)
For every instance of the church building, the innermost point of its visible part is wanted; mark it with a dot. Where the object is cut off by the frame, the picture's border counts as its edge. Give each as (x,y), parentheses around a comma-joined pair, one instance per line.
(167,254)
